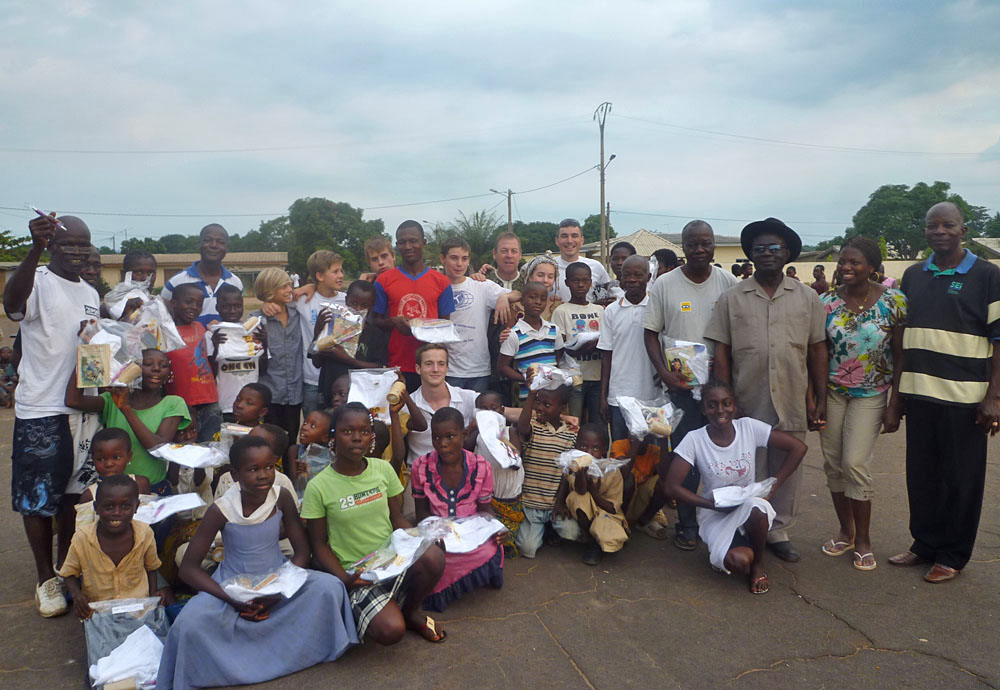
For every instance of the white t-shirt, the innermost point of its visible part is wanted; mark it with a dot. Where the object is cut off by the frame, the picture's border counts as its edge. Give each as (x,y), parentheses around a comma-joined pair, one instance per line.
(52,317)
(681,309)
(309,310)
(474,300)
(632,373)
(233,375)
(598,276)
(730,466)
(419,442)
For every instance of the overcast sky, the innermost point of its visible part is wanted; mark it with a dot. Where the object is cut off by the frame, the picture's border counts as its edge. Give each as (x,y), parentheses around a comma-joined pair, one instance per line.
(387,103)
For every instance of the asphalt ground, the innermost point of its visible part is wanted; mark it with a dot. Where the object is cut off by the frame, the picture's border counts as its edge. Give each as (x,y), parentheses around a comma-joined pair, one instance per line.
(651,616)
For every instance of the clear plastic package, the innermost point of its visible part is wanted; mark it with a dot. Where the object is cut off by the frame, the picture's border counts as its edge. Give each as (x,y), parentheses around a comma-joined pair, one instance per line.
(285,582)
(657,417)
(434,330)
(112,622)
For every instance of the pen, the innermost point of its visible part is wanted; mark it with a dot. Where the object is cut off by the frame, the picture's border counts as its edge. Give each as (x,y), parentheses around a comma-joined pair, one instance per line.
(43,214)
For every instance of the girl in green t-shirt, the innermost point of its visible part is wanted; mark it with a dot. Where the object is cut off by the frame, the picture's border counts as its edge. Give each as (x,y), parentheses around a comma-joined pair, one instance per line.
(351,508)
(148,416)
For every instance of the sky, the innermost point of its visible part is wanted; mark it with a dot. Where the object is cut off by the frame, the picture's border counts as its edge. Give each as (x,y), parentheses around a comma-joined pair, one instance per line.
(183,114)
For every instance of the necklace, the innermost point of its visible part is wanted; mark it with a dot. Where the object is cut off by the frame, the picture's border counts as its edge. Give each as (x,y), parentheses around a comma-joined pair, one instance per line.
(861,306)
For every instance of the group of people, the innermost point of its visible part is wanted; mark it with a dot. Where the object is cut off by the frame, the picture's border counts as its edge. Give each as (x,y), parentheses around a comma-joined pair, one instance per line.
(848,362)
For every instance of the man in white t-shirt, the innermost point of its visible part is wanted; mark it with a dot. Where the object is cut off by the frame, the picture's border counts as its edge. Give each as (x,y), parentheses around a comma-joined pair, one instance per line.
(569,239)
(50,302)
(469,360)
(680,306)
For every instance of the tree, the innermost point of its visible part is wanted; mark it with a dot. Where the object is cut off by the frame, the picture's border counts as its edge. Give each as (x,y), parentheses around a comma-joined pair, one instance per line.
(896,212)
(13,248)
(151,245)
(825,244)
(536,236)
(592,229)
(992,226)
(180,244)
(480,230)
(317,223)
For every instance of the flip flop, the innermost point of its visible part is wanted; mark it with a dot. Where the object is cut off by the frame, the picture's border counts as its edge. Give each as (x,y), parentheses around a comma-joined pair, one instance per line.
(654,530)
(430,627)
(681,542)
(836,548)
(859,561)
(755,585)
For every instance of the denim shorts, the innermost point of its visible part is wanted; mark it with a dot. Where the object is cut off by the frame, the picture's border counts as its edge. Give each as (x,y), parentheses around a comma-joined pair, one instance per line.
(42,464)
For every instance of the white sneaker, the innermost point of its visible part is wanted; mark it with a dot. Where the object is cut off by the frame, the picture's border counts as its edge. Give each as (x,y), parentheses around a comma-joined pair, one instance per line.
(50,599)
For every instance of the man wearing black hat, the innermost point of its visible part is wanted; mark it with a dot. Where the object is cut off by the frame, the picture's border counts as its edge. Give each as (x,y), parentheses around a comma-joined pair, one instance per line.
(770,341)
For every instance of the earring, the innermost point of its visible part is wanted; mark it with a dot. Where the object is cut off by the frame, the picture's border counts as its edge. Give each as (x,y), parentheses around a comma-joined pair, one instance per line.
(260,420)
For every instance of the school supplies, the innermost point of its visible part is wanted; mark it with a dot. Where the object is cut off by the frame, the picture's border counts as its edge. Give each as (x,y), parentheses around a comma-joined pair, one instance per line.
(239,342)
(492,429)
(128,289)
(371,387)
(193,455)
(729,496)
(575,460)
(317,458)
(285,581)
(163,508)
(434,330)
(396,393)
(550,378)
(690,360)
(657,417)
(399,552)
(343,329)
(125,640)
(461,535)
(93,365)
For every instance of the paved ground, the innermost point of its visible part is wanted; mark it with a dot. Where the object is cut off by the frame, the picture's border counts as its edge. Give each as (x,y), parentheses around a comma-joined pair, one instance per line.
(651,617)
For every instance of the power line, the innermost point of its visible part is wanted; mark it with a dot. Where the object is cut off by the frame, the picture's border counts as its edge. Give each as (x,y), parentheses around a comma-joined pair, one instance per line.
(582,172)
(734,220)
(800,144)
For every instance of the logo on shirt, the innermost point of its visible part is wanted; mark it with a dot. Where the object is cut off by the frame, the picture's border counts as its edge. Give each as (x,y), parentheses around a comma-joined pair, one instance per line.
(360,498)
(463,299)
(91,311)
(412,306)
(686,306)
(955,287)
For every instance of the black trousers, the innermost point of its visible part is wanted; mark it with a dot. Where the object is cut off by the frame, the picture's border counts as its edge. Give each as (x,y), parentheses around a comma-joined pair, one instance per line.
(945,478)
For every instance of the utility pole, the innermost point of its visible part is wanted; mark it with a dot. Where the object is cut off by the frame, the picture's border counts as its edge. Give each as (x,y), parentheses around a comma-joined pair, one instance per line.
(510,218)
(601,114)
(607,217)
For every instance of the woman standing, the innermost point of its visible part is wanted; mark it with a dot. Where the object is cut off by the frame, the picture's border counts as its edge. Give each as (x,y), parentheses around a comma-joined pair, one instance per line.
(283,375)
(864,329)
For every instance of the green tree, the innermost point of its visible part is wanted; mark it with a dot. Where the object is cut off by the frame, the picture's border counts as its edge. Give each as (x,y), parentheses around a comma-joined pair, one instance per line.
(317,223)
(537,236)
(992,226)
(480,230)
(825,244)
(180,244)
(13,248)
(151,245)
(896,212)
(592,229)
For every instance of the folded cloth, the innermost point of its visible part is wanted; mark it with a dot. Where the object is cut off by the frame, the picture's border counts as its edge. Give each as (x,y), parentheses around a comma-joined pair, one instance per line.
(717,529)
(728,496)
(137,657)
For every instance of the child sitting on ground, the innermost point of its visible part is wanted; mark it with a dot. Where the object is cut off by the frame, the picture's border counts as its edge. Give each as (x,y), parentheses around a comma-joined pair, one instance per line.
(113,558)
(111,449)
(217,640)
(452,482)
(532,340)
(543,438)
(507,481)
(643,503)
(591,508)
(724,452)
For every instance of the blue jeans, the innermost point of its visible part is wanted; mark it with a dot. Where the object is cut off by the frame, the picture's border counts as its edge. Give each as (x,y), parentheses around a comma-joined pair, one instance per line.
(312,399)
(472,383)
(209,421)
(531,533)
(587,399)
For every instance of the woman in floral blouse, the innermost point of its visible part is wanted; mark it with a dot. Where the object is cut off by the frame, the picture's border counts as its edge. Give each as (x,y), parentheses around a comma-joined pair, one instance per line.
(864,329)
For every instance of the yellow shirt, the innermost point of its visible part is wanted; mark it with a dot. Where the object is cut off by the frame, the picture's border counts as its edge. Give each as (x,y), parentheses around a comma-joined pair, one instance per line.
(101,578)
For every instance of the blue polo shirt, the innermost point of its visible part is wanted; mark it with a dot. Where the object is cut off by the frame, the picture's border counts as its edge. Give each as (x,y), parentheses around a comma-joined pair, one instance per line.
(209,313)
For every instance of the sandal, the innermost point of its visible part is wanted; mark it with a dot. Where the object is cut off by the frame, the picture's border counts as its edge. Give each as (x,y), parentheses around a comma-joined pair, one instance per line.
(654,530)
(760,585)
(859,561)
(836,548)
(685,544)
(429,632)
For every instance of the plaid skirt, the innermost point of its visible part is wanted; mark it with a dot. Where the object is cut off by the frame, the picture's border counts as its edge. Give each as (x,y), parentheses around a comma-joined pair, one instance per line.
(367,602)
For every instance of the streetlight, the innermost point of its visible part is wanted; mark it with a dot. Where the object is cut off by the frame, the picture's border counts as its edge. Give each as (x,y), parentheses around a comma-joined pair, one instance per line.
(601,114)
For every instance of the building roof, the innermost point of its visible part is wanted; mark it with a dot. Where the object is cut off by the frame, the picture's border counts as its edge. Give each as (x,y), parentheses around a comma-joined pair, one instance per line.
(644,241)
(720,240)
(232,258)
(822,255)
(990,244)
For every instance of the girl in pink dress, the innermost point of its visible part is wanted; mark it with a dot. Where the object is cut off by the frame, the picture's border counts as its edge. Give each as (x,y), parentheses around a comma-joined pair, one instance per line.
(453,482)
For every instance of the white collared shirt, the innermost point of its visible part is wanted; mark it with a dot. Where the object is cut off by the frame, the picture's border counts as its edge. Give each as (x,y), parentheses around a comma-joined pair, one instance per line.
(419,442)
(622,334)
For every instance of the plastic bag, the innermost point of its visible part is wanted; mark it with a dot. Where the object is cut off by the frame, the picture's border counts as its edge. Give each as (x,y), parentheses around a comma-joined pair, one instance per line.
(550,378)
(578,340)
(163,508)
(344,329)
(317,458)
(729,496)
(285,581)
(574,460)
(239,342)
(434,331)
(690,360)
(113,623)
(393,558)
(155,319)
(461,535)
(371,387)
(492,429)
(120,294)
(192,455)
(657,417)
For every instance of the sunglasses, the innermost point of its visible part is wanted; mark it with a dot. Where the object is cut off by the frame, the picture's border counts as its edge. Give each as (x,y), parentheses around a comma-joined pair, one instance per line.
(767,248)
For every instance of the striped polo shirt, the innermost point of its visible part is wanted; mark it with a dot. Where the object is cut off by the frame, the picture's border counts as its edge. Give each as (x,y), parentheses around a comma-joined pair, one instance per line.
(953,320)
(532,346)
(541,474)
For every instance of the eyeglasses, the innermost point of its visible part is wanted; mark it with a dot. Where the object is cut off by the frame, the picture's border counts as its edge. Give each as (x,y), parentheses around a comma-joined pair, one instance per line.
(767,248)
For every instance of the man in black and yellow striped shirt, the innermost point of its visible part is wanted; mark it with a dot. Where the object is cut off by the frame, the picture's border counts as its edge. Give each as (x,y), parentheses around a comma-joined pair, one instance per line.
(951,383)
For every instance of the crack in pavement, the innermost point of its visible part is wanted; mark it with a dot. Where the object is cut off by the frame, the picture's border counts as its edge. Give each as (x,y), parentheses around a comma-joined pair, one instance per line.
(566,654)
(527,612)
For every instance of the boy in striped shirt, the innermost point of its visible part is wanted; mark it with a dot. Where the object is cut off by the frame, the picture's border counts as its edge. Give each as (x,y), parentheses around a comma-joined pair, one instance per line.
(532,340)
(543,439)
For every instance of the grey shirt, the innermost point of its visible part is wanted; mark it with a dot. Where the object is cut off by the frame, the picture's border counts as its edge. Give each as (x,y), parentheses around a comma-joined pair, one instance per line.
(284,363)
